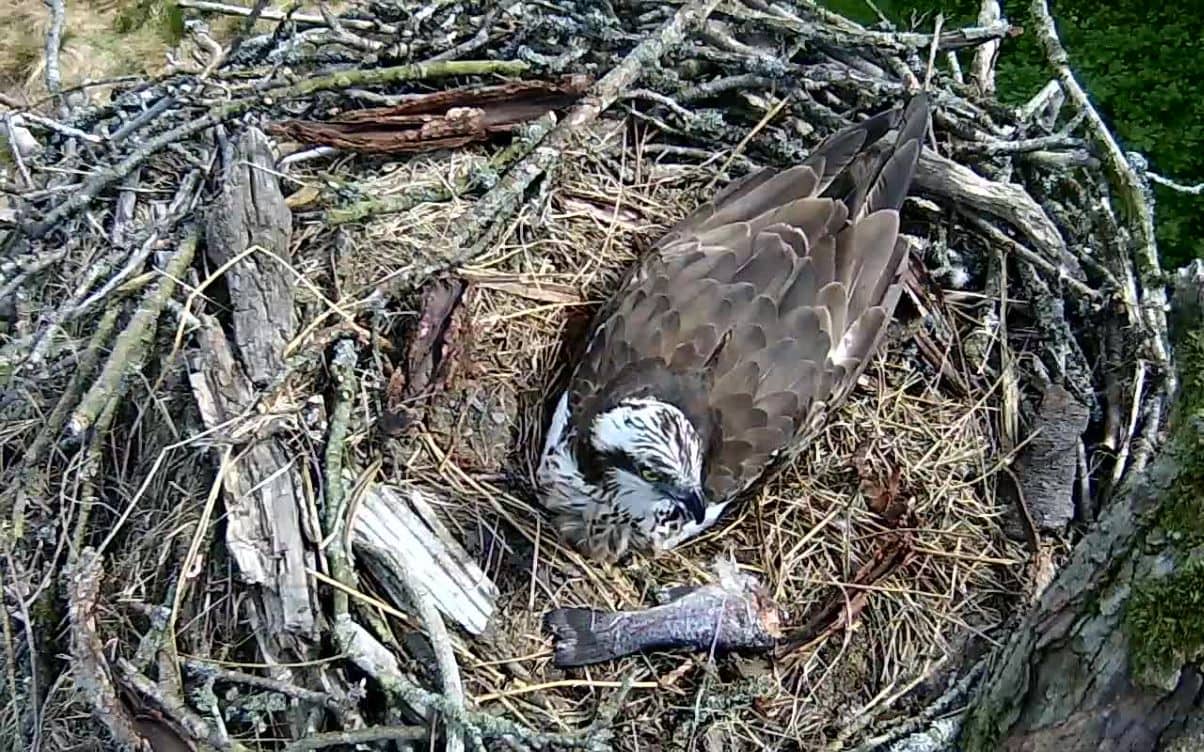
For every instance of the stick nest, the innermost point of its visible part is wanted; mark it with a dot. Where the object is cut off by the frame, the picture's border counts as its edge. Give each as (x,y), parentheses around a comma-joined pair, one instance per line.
(894,543)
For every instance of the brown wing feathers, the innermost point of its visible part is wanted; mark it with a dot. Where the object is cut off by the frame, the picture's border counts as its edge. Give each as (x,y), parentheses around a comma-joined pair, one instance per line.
(800,266)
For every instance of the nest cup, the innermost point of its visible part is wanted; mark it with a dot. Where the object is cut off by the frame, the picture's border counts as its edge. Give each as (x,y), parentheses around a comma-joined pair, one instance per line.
(904,439)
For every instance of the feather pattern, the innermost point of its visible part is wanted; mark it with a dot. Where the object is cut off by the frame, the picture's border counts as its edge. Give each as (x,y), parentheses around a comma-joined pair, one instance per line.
(756,313)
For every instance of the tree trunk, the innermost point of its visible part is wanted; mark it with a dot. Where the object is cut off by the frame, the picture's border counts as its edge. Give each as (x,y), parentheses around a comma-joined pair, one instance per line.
(1109,659)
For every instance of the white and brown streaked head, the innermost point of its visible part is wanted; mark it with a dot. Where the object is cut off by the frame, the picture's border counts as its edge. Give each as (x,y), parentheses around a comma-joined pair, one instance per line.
(631,476)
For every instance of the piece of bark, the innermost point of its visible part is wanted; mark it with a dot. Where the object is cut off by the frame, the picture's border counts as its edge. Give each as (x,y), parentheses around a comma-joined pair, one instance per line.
(426,360)
(1048,463)
(435,346)
(398,536)
(250,211)
(439,120)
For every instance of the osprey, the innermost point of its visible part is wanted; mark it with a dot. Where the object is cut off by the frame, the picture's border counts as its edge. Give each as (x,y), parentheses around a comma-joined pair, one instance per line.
(729,340)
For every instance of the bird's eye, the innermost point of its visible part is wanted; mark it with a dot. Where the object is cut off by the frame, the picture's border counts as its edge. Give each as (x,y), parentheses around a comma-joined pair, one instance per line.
(648,475)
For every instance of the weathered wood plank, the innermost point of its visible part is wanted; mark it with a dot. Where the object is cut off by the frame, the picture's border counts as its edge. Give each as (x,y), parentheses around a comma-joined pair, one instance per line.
(397,530)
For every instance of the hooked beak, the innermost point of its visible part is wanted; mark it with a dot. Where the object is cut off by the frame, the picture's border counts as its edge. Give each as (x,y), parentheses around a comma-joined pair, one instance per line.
(695,504)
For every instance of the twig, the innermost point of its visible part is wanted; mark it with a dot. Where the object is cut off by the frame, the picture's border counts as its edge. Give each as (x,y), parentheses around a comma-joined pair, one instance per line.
(205,669)
(342,369)
(193,723)
(130,349)
(1192,190)
(358,736)
(14,147)
(1020,146)
(89,665)
(1045,105)
(58,127)
(54,42)
(739,82)
(341,34)
(18,591)
(479,39)
(1126,442)
(955,67)
(1008,201)
(152,112)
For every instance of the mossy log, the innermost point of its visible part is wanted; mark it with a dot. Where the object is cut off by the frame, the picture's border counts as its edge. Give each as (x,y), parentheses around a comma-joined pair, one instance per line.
(1110,658)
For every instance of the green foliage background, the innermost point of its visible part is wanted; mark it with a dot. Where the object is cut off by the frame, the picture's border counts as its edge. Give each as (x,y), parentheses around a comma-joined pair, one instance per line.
(1141,62)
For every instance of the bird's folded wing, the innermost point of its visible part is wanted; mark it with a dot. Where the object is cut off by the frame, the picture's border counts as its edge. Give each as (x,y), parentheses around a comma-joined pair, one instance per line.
(768,300)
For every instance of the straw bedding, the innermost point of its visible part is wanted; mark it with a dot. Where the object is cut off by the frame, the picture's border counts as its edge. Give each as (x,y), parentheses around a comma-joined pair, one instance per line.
(806,534)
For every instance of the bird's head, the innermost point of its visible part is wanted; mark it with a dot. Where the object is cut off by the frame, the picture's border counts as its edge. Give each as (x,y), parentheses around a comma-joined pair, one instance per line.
(650,458)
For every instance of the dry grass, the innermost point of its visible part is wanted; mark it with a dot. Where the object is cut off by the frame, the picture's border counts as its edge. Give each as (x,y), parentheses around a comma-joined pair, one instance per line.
(807,533)
(103,39)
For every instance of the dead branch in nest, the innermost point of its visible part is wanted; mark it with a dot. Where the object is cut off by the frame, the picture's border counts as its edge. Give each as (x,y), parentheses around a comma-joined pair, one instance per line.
(439,120)
(91,668)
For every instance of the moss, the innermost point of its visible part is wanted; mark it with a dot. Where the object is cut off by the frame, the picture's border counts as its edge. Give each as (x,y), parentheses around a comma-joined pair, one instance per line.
(1182,516)
(1165,621)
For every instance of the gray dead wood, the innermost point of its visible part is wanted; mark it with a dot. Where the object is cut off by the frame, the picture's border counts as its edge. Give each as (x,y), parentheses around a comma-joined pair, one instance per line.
(250,212)
(263,485)
(1006,201)
(263,496)
(1089,668)
(399,536)
(1048,463)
